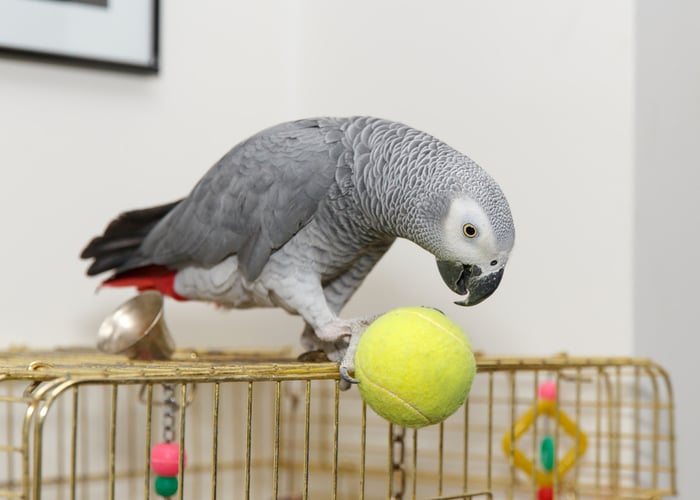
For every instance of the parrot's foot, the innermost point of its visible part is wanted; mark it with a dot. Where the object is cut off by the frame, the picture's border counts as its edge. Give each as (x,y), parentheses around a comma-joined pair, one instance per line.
(339,340)
(333,350)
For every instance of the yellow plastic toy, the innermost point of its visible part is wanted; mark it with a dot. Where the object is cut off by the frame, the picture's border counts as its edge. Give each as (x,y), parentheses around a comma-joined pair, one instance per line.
(546,405)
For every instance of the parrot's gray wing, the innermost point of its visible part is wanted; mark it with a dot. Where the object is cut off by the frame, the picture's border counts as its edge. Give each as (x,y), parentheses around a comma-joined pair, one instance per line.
(250,203)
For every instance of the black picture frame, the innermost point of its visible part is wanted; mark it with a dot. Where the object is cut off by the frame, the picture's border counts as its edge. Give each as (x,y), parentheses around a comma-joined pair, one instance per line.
(151,65)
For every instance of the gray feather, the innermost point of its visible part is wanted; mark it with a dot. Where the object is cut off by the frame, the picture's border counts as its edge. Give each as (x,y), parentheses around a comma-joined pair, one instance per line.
(250,203)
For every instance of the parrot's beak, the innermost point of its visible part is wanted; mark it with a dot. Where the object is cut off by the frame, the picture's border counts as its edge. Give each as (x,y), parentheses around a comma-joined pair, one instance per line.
(469,280)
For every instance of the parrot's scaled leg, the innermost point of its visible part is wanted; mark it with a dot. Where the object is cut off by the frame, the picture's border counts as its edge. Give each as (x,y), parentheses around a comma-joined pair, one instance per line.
(308,299)
(337,293)
(330,330)
(309,340)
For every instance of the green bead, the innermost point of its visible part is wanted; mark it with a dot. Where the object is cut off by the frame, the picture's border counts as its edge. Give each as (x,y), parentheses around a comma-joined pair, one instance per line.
(166,486)
(547,453)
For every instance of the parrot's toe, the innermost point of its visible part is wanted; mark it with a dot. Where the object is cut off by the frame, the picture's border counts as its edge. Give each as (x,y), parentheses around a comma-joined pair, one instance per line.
(346,377)
(316,356)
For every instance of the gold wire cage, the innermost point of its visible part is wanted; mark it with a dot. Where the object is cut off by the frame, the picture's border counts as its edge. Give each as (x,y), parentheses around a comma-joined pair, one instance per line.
(79,425)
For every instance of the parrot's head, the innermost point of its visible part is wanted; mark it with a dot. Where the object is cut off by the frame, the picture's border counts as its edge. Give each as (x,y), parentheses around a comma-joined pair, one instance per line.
(476,237)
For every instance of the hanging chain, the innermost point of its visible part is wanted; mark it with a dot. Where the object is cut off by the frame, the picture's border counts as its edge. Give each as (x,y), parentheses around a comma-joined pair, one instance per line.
(169,413)
(398,468)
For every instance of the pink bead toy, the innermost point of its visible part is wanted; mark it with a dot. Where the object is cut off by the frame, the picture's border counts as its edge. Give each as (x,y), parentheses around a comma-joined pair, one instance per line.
(165,459)
(548,390)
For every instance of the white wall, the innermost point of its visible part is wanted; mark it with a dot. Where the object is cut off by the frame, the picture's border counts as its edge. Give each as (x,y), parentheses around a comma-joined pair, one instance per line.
(539,93)
(78,146)
(667,236)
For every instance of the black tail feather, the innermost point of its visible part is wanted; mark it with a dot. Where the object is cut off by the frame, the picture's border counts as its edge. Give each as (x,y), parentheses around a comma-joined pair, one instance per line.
(122,238)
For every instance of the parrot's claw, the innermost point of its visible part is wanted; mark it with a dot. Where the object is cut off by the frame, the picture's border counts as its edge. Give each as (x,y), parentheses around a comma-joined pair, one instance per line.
(346,376)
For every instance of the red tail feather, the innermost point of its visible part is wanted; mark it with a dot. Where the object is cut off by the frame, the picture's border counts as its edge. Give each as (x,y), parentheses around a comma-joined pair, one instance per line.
(158,278)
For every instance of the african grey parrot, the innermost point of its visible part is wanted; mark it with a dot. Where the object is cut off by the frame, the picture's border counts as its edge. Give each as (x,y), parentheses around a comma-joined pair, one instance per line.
(297,215)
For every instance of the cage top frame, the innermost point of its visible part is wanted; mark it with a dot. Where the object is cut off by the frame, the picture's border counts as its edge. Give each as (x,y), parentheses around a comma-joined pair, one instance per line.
(193,366)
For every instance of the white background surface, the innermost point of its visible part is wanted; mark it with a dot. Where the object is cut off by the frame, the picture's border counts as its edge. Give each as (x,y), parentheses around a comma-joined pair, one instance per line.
(542,94)
(667,180)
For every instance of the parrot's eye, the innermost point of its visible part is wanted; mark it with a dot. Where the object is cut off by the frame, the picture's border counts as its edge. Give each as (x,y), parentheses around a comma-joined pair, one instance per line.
(469,230)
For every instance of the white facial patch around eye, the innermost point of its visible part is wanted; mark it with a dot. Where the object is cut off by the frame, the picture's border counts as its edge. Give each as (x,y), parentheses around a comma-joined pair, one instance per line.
(461,247)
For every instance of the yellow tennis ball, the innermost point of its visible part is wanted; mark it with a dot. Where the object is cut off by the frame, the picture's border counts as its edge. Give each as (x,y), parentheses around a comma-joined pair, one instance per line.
(415,366)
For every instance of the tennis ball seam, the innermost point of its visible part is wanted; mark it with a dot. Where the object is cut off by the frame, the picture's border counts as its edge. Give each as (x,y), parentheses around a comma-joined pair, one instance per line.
(395,396)
(442,327)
